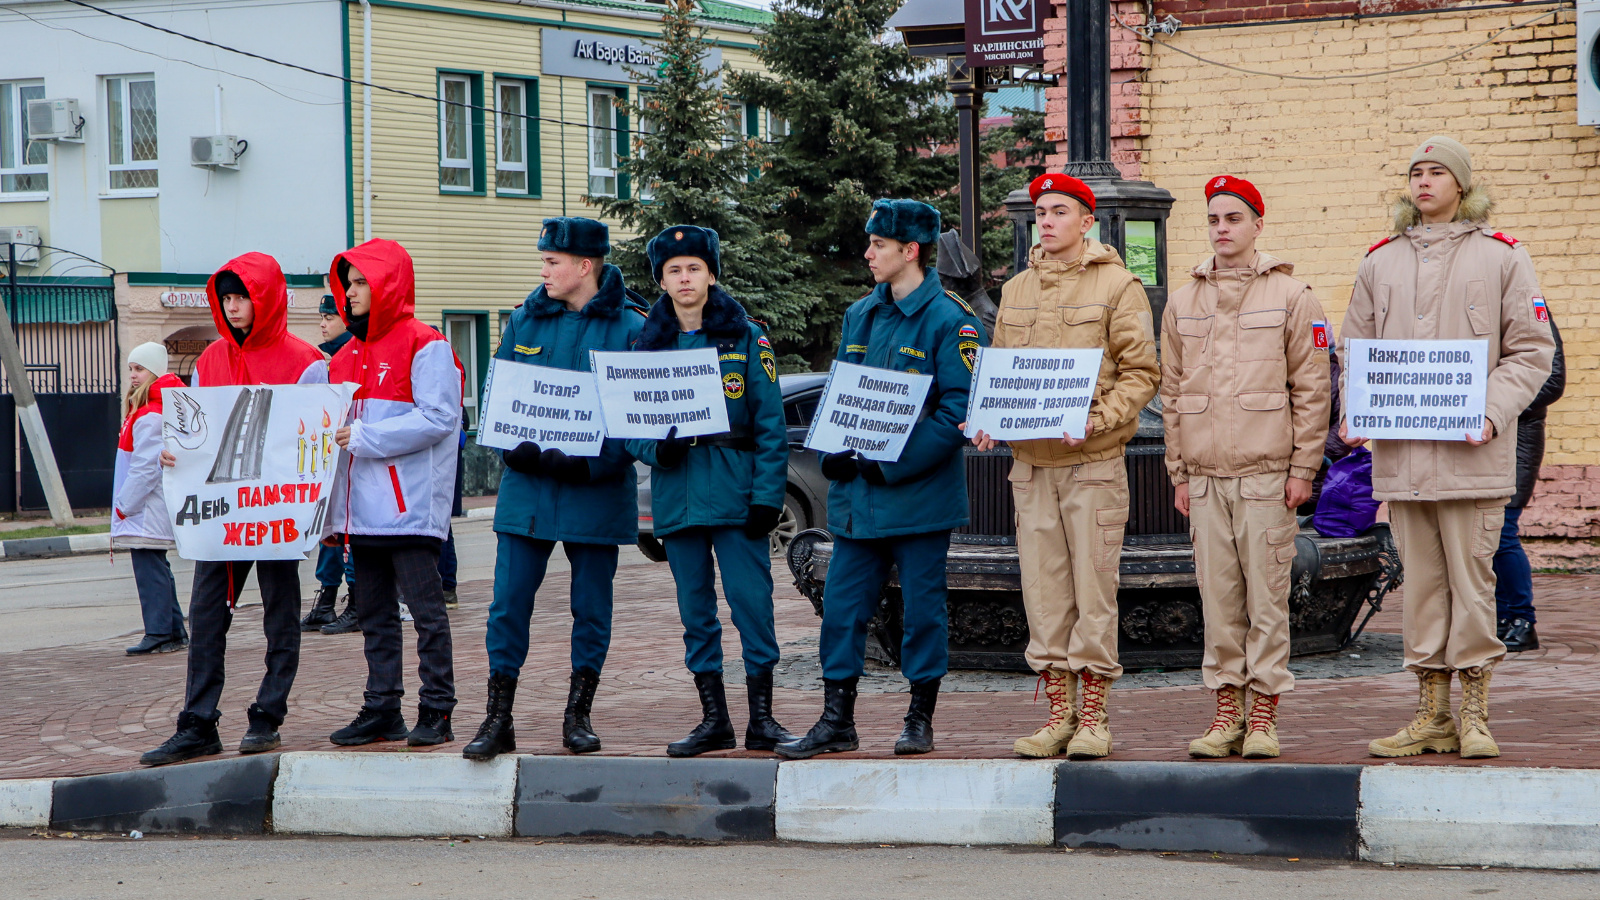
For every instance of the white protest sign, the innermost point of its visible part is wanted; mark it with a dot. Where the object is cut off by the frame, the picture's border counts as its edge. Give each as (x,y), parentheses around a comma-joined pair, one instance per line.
(644,394)
(1416,390)
(1020,395)
(554,408)
(868,410)
(255,466)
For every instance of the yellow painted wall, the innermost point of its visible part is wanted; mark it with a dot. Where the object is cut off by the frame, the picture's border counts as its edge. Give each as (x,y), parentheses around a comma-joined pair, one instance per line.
(130,234)
(1330,156)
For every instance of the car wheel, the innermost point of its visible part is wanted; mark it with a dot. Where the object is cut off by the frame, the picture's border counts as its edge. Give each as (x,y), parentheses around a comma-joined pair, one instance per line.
(791,521)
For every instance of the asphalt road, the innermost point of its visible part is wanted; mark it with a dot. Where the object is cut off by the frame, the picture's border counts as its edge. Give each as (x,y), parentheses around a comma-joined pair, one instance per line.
(345,869)
(77,599)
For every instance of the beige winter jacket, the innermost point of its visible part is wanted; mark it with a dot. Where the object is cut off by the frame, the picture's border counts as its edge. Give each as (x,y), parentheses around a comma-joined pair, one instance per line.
(1093,302)
(1456,281)
(1244,386)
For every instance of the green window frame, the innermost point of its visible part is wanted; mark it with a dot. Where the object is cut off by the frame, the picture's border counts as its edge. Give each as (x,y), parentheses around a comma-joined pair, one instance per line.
(461,133)
(468,330)
(620,124)
(524,129)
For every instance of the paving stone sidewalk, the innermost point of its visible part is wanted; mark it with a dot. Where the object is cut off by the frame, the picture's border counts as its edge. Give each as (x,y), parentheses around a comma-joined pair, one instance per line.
(89,709)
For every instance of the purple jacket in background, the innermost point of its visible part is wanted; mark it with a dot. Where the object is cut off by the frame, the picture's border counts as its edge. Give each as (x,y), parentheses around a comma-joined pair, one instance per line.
(1346,508)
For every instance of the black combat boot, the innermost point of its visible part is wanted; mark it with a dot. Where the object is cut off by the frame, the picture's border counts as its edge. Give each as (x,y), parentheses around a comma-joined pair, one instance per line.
(715,731)
(195,737)
(371,725)
(347,621)
(1518,635)
(763,732)
(917,737)
(496,735)
(577,734)
(263,733)
(836,730)
(433,727)
(322,611)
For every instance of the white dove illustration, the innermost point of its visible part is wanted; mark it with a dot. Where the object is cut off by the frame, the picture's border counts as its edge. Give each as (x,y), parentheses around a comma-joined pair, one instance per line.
(189,431)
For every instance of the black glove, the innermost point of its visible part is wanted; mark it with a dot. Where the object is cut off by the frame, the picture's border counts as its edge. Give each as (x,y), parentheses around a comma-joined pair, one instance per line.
(671,450)
(761,521)
(871,472)
(523,458)
(564,468)
(840,467)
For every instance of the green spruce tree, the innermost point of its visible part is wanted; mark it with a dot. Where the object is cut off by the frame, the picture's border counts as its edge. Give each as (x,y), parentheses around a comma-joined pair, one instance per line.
(864,118)
(685,169)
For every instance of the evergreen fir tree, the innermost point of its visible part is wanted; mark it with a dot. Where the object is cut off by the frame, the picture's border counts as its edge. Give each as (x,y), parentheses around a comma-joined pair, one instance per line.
(685,169)
(864,117)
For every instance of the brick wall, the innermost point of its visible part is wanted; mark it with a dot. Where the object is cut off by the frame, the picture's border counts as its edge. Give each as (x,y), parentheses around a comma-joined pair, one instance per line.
(1129,65)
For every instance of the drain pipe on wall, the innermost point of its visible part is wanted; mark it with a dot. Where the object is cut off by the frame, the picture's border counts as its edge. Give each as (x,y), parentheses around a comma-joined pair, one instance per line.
(366,120)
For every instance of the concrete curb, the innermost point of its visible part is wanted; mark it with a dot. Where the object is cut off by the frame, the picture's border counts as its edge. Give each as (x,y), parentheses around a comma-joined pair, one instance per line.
(47,547)
(1428,815)
(481,512)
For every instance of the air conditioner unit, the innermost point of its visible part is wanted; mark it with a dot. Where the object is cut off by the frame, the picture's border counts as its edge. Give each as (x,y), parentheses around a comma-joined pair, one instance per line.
(1589,62)
(25,238)
(54,120)
(216,151)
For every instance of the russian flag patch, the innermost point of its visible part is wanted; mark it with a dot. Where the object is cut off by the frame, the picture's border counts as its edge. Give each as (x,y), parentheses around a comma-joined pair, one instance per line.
(763,342)
(1319,335)
(1540,311)
(967,331)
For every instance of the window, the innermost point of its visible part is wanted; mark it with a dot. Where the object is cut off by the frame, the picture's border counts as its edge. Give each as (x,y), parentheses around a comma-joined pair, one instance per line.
(131,132)
(604,131)
(455,133)
(777,127)
(24,164)
(733,129)
(646,191)
(468,334)
(516,135)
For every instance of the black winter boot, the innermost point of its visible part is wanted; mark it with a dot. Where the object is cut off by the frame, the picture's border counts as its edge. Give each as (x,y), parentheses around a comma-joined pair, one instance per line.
(322,611)
(836,730)
(347,621)
(371,725)
(918,734)
(433,727)
(195,737)
(496,735)
(715,731)
(577,734)
(151,643)
(763,732)
(263,733)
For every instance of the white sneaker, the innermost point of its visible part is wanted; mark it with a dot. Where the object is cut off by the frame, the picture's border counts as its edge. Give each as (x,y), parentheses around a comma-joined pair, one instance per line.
(405,612)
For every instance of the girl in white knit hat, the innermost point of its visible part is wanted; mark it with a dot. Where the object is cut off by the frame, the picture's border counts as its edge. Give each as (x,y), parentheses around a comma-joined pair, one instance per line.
(139,521)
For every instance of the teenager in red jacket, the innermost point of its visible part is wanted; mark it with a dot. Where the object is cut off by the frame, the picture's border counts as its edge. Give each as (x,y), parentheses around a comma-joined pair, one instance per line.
(250,305)
(395,487)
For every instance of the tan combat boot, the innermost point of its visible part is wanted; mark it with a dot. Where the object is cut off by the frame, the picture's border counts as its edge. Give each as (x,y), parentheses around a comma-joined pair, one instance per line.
(1476,742)
(1060,690)
(1431,729)
(1225,737)
(1261,736)
(1092,740)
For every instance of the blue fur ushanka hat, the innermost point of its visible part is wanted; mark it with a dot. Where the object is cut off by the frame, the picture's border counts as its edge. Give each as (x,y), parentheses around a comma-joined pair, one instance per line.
(685,240)
(904,221)
(575,235)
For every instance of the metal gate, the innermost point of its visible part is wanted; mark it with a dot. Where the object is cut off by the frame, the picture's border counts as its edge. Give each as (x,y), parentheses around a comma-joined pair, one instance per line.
(67,333)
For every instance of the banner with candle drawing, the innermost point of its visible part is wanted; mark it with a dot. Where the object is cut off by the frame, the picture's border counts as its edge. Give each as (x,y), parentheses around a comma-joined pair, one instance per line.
(255,466)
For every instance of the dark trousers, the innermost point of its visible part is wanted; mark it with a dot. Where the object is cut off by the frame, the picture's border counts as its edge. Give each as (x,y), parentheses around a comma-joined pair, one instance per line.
(216,586)
(856,576)
(519,568)
(158,593)
(382,573)
(746,582)
(447,561)
(1513,587)
(331,565)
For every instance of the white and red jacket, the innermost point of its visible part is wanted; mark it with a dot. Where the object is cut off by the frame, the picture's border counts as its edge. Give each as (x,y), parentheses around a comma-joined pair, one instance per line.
(139,510)
(399,471)
(269,354)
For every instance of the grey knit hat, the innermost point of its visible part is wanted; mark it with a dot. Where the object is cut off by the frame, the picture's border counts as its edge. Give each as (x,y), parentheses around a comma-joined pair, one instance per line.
(1447,152)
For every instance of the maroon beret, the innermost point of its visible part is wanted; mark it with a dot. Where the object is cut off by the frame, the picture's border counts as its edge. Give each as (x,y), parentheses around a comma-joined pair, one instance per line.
(1238,187)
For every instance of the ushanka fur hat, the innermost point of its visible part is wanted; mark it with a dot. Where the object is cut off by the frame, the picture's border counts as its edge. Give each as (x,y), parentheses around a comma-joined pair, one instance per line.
(575,235)
(904,221)
(684,240)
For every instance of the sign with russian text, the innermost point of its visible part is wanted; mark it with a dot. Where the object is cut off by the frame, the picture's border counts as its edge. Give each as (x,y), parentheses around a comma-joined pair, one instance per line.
(1416,390)
(255,465)
(1020,395)
(868,410)
(554,408)
(1005,32)
(645,394)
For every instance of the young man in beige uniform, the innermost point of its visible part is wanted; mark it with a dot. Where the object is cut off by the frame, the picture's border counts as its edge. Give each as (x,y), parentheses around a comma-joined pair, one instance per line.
(1244,395)
(1072,495)
(1445,275)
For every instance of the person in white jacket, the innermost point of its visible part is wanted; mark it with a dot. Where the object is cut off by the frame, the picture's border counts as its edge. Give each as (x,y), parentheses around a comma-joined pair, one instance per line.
(139,522)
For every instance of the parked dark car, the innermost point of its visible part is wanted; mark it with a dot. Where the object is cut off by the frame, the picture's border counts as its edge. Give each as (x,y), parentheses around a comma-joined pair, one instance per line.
(805,503)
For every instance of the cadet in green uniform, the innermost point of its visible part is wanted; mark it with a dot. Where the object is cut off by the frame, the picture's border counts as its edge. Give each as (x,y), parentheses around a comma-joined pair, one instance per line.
(897,513)
(719,493)
(590,504)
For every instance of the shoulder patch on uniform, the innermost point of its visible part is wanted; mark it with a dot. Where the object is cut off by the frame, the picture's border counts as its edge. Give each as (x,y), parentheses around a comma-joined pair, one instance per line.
(969,353)
(1319,335)
(967,331)
(961,303)
(763,342)
(1540,310)
(1382,242)
(1501,236)
(769,365)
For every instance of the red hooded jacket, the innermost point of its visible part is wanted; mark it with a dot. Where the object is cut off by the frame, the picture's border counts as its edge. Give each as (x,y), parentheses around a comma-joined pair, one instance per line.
(269,354)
